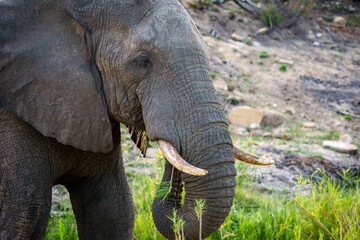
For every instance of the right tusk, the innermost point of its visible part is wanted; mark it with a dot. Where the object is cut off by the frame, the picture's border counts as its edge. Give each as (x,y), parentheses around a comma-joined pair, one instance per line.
(251,159)
(177,161)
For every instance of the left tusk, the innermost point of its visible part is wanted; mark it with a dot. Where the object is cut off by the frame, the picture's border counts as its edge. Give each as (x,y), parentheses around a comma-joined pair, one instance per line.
(177,161)
(251,159)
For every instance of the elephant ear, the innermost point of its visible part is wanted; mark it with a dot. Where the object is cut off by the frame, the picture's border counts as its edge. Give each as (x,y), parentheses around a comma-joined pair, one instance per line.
(46,75)
(140,138)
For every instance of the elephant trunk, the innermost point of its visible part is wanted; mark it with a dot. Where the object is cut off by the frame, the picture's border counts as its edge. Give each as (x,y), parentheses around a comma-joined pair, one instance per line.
(193,121)
(217,188)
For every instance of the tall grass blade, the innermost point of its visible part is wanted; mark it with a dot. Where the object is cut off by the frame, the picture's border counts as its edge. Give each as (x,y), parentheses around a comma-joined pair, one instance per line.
(322,225)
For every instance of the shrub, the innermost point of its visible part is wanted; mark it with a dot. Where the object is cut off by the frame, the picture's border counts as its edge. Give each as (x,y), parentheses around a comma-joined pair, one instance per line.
(283,67)
(271,16)
(249,41)
(264,54)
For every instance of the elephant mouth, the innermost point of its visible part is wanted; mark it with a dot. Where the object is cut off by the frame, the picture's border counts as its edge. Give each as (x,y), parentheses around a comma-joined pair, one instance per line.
(141,140)
(180,164)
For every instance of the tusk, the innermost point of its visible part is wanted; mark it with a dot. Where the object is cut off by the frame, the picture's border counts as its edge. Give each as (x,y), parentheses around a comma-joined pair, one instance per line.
(177,161)
(251,159)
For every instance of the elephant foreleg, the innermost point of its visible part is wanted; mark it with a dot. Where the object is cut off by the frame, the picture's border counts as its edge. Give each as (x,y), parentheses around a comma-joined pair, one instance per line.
(25,180)
(102,203)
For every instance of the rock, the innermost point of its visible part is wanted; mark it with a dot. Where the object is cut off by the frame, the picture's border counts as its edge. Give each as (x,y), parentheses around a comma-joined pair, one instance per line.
(342,147)
(284,61)
(218,2)
(254,126)
(311,35)
(244,116)
(241,132)
(283,136)
(267,134)
(319,35)
(309,125)
(273,118)
(262,30)
(290,110)
(346,138)
(236,37)
(257,133)
(235,100)
(339,22)
(256,44)
(213,32)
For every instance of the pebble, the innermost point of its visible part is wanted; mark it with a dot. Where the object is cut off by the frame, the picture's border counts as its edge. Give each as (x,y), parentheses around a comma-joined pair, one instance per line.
(309,125)
(236,37)
(339,22)
(262,30)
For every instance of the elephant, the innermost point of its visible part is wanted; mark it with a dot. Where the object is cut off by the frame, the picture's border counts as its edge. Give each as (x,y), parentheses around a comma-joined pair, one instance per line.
(70,73)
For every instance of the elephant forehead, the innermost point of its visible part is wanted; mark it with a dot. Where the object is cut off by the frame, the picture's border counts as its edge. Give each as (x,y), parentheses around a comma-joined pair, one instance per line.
(169,27)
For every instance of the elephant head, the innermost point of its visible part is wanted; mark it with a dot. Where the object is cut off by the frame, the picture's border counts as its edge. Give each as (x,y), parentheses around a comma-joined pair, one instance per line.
(87,63)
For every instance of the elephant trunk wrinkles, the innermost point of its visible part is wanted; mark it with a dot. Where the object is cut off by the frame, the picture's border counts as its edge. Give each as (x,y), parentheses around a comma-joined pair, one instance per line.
(205,143)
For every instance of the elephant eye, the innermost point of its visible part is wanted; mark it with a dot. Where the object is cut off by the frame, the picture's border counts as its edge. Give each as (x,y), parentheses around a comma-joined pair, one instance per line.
(144,61)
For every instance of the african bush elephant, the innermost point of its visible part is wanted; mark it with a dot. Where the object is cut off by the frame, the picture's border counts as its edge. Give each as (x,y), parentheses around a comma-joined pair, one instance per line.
(70,71)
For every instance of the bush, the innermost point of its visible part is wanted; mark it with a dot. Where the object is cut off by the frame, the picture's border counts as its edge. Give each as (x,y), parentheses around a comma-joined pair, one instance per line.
(283,67)
(271,16)
(264,54)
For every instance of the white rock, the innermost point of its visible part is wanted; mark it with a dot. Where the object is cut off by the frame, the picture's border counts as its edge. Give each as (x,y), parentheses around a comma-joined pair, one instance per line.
(347,138)
(309,125)
(285,61)
(339,22)
(311,35)
(254,126)
(244,116)
(319,35)
(340,147)
(236,37)
(239,44)
(256,44)
(262,30)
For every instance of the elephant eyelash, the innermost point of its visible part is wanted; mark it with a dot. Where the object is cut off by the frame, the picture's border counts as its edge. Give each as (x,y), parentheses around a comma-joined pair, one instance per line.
(144,60)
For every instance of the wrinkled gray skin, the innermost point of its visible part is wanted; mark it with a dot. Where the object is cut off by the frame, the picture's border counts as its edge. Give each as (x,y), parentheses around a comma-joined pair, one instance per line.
(69,74)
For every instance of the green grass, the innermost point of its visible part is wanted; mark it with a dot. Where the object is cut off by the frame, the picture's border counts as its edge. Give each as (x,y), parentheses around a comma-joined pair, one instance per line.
(213,75)
(256,214)
(249,41)
(348,117)
(264,54)
(283,67)
(62,223)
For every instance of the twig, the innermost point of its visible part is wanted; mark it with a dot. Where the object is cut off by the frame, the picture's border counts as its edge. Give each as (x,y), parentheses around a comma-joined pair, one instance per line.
(154,232)
(322,225)
(251,3)
(344,113)
(243,6)
(182,233)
